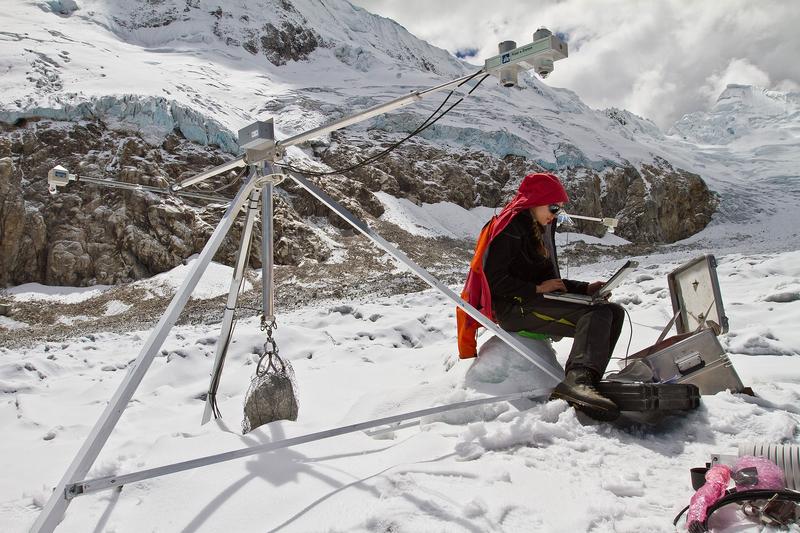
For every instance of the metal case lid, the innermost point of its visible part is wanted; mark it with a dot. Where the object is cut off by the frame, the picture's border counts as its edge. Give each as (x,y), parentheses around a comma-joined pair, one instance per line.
(694,289)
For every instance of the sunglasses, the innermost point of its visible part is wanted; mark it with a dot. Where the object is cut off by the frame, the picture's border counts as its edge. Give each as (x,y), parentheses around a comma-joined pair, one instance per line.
(554,208)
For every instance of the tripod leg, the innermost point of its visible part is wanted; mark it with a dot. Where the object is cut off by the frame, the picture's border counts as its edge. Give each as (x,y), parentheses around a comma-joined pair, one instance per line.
(53,511)
(226,332)
(555,373)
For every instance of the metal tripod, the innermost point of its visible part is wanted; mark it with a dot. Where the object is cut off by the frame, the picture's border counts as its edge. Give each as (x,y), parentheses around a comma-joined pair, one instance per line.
(262,152)
(259,182)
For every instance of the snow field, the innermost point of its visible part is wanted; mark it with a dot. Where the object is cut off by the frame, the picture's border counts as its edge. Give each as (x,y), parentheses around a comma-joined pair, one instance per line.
(488,468)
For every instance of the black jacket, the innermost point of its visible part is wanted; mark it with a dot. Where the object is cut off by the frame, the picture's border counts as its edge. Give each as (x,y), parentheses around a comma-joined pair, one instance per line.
(514,265)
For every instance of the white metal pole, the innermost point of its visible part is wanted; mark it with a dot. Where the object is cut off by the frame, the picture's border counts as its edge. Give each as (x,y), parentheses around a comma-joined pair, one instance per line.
(210,173)
(95,485)
(267,250)
(149,188)
(379,109)
(226,328)
(53,511)
(556,373)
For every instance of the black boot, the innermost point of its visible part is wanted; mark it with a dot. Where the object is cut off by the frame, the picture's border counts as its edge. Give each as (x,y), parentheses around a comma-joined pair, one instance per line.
(578,391)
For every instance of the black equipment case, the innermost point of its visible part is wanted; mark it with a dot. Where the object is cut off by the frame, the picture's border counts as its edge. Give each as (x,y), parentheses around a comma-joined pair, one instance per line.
(649,397)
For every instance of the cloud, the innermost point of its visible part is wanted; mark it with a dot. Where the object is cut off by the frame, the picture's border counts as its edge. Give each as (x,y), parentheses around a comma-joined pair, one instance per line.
(660,58)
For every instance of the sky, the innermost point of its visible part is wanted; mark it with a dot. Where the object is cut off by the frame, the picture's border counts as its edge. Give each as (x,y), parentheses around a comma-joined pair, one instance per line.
(659,59)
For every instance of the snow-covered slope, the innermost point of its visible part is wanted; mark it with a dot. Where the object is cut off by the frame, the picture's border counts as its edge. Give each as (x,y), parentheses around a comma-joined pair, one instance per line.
(191,65)
(481,469)
(302,62)
(747,146)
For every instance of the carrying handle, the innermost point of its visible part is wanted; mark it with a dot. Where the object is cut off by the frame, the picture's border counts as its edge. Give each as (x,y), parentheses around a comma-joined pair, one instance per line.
(689,363)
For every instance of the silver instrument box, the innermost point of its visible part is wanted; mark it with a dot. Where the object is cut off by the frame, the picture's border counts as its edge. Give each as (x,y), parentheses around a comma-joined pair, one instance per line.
(695,355)
(698,359)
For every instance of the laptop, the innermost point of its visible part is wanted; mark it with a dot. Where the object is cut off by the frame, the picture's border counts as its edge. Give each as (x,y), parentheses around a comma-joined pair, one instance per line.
(601,295)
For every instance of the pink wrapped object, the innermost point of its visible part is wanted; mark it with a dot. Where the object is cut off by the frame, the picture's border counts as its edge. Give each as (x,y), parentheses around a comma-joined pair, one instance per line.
(717,479)
(750,473)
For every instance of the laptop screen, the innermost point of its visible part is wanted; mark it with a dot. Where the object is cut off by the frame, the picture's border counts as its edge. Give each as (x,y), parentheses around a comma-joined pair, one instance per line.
(615,280)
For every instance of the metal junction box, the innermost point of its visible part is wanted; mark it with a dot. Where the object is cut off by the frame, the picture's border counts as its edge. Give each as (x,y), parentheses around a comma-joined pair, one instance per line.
(695,354)
(258,135)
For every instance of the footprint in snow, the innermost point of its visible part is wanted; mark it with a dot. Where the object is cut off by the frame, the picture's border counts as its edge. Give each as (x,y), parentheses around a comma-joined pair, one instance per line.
(783,297)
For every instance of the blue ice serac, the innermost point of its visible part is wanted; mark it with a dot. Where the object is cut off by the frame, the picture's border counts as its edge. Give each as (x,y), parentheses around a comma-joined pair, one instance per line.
(153,117)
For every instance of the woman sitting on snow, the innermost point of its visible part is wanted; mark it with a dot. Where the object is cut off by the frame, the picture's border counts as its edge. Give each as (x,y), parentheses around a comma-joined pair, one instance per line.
(514,265)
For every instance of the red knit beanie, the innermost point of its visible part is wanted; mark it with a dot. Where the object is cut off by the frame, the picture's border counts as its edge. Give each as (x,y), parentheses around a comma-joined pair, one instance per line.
(542,189)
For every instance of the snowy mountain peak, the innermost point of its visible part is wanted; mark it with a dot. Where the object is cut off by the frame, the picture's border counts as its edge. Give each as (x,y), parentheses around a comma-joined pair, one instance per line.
(278,30)
(152,64)
(748,98)
(746,114)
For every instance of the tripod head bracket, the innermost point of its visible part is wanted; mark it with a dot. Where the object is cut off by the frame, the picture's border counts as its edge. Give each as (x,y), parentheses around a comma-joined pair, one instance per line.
(274,179)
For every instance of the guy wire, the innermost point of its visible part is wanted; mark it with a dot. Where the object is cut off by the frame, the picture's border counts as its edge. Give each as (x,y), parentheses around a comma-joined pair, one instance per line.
(422,127)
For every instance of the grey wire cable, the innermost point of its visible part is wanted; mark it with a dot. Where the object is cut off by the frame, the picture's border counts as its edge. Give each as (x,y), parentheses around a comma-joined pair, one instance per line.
(428,122)
(630,339)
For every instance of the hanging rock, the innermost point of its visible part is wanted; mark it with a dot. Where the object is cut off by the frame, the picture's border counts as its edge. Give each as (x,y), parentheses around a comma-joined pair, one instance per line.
(271,396)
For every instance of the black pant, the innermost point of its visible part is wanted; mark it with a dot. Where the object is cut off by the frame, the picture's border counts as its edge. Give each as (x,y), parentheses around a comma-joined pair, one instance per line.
(595,328)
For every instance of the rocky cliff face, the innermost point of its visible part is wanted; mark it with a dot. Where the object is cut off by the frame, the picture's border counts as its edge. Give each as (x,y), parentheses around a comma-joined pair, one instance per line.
(650,200)
(87,234)
(655,203)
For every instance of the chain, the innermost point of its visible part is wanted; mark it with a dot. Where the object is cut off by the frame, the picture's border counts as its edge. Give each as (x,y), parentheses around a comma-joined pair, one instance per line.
(270,349)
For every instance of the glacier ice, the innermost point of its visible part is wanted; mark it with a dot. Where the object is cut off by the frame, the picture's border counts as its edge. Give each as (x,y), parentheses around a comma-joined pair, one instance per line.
(152,117)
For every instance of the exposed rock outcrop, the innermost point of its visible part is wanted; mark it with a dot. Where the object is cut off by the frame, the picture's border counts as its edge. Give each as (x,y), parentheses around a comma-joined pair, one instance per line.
(651,200)
(654,203)
(286,37)
(22,227)
(86,234)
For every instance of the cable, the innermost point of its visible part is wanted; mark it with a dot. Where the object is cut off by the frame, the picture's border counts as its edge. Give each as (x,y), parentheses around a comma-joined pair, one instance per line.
(680,514)
(428,122)
(630,324)
(630,339)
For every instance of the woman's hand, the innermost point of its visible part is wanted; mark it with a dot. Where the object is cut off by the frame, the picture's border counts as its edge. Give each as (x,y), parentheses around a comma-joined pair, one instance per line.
(551,285)
(594,287)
